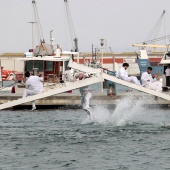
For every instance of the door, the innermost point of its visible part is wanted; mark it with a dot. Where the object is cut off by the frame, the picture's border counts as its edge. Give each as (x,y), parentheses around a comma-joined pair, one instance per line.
(51,67)
(48,68)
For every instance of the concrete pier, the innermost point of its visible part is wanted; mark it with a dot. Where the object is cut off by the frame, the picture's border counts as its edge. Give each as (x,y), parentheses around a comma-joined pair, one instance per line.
(73,99)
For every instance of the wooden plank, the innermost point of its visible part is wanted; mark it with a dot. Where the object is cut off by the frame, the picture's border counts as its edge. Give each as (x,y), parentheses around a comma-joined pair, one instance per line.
(70,86)
(137,87)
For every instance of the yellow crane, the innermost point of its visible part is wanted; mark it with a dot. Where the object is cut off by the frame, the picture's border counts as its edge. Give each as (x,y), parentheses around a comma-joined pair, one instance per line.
(152,45)
(153,36)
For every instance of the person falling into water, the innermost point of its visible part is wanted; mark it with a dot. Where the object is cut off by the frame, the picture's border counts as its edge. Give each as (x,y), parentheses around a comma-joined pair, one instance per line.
(85,95)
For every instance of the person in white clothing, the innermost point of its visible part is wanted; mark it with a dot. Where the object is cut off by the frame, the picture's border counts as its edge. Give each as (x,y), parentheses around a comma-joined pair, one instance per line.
(33,86)
(85,96)
(167,74)
(124,75)
(150,82)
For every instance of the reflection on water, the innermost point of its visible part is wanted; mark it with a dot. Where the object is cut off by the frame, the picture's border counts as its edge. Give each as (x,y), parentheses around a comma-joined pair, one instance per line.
(126,137)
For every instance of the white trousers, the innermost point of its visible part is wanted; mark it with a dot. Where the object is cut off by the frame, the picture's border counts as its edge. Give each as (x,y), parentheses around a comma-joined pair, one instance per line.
(85,100)
(28,92)
(133,79)
(154,86)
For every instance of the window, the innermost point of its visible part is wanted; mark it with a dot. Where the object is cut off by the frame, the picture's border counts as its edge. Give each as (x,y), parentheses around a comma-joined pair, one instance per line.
(49,65)
(34,64)
(66,65)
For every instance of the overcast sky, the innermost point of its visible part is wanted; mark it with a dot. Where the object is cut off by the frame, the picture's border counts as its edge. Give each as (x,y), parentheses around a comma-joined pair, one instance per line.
(120,22)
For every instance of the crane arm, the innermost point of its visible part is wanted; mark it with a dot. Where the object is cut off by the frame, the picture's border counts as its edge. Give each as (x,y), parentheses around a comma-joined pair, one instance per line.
(150,45)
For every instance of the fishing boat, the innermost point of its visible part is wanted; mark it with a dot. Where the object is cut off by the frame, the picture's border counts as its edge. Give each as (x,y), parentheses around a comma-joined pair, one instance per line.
(54,69)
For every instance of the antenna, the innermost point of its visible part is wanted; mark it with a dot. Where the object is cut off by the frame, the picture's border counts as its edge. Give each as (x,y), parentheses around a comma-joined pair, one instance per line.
(51,38)
(32,22)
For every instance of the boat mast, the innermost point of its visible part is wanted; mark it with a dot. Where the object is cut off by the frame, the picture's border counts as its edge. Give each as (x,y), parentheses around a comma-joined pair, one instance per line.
(74,40)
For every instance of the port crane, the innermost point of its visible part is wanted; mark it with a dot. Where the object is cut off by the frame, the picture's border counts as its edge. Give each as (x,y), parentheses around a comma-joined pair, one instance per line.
(74,39)
(152,37)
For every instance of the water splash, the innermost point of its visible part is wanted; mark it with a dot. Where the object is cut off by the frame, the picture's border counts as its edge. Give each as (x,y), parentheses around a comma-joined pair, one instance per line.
(128,111)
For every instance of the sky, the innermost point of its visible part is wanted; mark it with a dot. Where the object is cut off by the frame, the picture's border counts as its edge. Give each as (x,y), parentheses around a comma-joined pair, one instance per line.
(120,22)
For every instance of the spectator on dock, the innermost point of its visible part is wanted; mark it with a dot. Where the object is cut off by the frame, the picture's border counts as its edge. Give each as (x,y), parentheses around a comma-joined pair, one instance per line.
(33,86)
(124,75)
(167,74)
(151,82)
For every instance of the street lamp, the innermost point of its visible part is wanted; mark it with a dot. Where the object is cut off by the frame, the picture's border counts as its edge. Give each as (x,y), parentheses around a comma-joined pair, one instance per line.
(102,44)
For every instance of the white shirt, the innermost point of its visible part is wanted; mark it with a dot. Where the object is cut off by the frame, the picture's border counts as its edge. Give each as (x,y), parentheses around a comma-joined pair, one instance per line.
(34,83)
(84,89)
(167,72)
(145,77)
(123,73)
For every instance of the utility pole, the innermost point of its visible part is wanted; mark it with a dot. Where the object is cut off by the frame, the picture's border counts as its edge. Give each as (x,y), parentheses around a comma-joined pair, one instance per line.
(32,22)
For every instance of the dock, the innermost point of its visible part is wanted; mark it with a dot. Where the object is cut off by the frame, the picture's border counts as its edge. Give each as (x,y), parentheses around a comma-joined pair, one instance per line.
(58,95)
(73,100)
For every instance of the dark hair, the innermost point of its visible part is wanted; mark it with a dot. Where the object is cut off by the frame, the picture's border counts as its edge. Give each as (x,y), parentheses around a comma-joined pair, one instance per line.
(125,64)
(27,74)
(150,68)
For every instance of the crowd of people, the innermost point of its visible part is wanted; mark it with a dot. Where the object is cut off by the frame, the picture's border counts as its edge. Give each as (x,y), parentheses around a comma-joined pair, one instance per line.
(147,79)
(34,84)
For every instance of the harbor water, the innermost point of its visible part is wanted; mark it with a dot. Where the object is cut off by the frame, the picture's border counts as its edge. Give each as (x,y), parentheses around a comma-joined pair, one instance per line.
(126,137)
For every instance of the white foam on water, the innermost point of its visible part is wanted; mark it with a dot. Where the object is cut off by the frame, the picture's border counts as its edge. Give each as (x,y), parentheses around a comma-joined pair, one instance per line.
(128,111)
(99,115)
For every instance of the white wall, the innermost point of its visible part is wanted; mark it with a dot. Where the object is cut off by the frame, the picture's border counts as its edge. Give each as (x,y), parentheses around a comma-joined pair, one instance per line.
(12,64)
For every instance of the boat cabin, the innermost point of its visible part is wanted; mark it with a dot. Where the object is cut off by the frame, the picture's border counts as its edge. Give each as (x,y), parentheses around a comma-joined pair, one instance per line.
(52,68)
(166,64)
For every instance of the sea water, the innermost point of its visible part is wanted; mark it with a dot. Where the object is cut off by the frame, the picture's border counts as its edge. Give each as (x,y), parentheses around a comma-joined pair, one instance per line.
(128,136)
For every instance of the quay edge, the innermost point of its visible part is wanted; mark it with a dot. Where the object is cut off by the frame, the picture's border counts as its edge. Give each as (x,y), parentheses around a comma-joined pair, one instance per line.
(73,100)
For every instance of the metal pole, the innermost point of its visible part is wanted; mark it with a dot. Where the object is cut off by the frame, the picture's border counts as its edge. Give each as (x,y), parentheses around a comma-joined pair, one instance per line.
(102,44)
(114,64)
(15,79)
(102,57)
(102,69)
(51,38)
(1,74)
(32,22)
(78,61)
(32,36)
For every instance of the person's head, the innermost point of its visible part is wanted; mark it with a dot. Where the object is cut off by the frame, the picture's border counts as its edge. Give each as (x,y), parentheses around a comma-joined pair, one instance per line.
(149,70)
(125,65)
(27,74)
(80,76)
